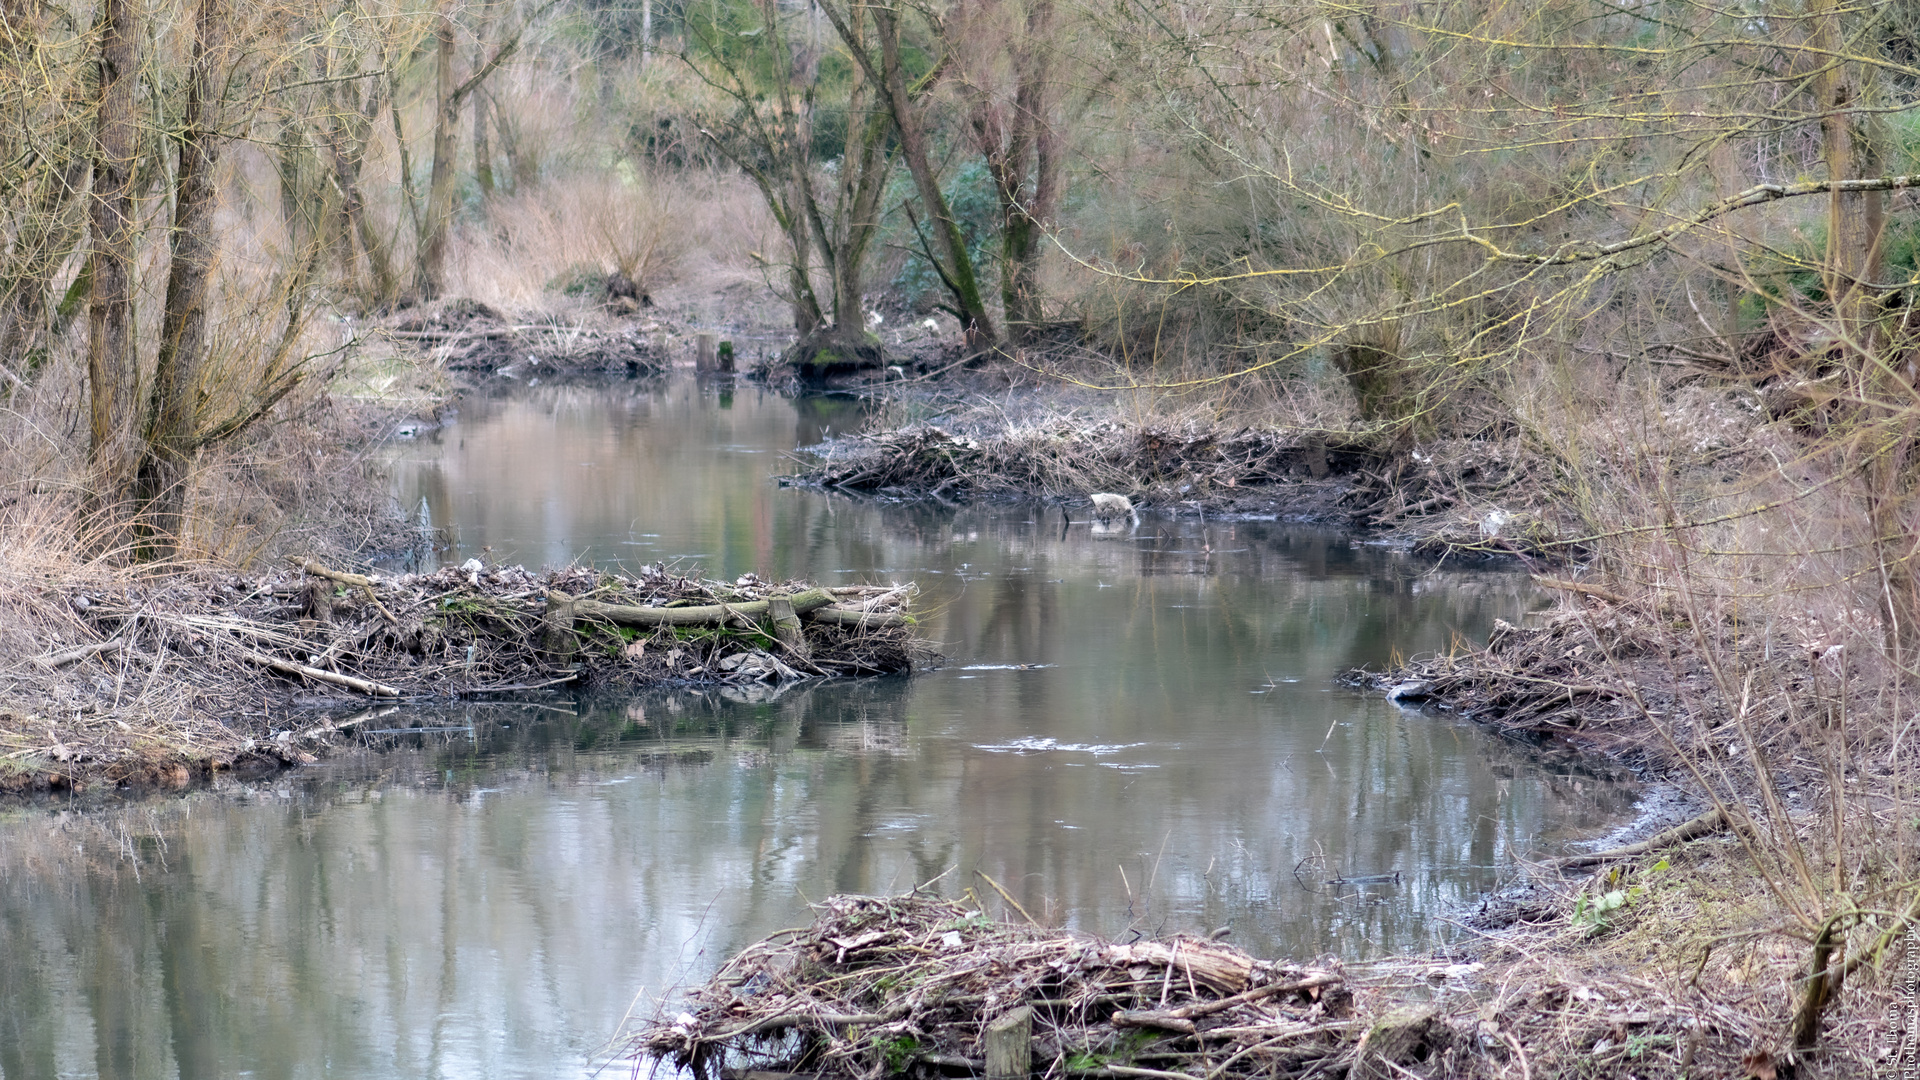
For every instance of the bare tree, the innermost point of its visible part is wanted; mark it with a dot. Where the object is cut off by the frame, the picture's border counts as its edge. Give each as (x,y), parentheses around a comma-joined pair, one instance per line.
(436,215)
(172,426)
(771,136)
(878,52)
(1007,60)
(111,371)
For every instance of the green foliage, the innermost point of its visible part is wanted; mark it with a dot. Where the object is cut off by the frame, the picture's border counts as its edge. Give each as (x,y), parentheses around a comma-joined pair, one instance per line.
(582,279)
(1639,1043)
(976,207)
(899,1052)
(1792,275)
(1596,915)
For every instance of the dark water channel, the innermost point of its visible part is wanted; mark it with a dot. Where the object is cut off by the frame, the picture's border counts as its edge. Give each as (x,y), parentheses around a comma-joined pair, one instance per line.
(1132,733)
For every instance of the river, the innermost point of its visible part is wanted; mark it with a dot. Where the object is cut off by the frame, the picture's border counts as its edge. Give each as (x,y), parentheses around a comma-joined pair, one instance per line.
(1138,733)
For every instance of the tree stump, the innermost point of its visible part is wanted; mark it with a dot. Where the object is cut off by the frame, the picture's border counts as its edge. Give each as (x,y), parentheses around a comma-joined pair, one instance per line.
(1008,1042)
(559,642)
(786,625)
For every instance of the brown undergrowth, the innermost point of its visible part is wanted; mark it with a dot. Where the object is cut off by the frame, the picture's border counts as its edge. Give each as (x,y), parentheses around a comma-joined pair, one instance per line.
(122,675)
(1771,946)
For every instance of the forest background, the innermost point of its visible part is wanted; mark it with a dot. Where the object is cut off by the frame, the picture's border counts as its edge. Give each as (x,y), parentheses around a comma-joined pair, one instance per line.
(1661,256)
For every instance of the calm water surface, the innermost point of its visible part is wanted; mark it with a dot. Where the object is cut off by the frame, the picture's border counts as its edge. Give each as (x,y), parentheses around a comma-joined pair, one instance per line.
(1135,733)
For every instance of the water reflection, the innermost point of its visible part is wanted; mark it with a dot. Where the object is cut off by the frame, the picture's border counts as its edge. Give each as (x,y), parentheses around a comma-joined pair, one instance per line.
(1134,733)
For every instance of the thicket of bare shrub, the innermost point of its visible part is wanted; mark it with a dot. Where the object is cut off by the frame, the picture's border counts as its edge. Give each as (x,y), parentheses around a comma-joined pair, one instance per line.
(1661,259)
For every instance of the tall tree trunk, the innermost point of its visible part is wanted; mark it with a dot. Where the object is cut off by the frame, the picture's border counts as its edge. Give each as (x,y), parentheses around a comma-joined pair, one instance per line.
(910,125)
(864,168)
(482,148)
(646,33)
(173,415)
(110,356)
(430,271)
(348,140)
(1025,208)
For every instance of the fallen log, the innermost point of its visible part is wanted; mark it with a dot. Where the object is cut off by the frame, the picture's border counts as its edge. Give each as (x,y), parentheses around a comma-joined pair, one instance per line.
(1706,823)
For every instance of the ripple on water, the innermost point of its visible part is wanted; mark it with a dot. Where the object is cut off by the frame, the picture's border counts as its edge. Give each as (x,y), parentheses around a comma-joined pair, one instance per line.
(1034,744)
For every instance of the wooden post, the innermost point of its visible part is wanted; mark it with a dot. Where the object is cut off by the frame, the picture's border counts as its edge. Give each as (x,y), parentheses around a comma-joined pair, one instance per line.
(704,346)
(1009,1045)
(559,642)
(1315,451)
(786,625)
(318,600)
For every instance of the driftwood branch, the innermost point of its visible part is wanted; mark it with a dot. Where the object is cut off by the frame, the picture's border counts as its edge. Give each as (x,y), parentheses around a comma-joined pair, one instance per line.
(352,581)
(1581,588)
(288,667)
(804,603)
(1706,823)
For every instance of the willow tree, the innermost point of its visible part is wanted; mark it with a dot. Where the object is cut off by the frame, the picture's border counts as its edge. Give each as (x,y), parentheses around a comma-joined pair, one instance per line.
(808,129)
(1007,58)
(875,36)
(451,94)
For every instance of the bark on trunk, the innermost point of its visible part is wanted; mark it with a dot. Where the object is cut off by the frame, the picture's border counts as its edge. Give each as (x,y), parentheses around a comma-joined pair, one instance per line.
(1031,147)
(110,356)
(430,274)
(910,125)
(173,416)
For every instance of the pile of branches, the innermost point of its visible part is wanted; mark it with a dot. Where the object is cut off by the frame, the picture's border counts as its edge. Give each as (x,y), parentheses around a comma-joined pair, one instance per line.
(145,679)
(1563,677)
(466,335)
(883,986)
(1059,457)
(1612,673)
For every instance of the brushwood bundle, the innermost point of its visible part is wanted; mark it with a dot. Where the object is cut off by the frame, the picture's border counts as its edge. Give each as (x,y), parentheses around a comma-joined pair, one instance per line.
(149,678)
(915,985)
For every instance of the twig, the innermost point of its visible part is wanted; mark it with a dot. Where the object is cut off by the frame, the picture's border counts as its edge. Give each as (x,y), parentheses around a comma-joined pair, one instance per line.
(62,659)
(371,689)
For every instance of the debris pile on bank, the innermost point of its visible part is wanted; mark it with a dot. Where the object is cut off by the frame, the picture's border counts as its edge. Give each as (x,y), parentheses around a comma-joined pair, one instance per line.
(1456,495)
(915,985)
(1165,464)
(146,679)
(466,335)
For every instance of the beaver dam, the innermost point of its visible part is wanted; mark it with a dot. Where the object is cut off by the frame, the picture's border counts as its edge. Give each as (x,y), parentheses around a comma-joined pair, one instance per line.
(913,985)
(155,679)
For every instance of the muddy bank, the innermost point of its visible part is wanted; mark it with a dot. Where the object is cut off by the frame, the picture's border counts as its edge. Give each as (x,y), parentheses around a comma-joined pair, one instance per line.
(159,680)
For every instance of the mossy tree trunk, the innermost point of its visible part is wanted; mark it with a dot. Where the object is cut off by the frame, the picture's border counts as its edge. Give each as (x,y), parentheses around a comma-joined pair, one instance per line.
(172,423)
